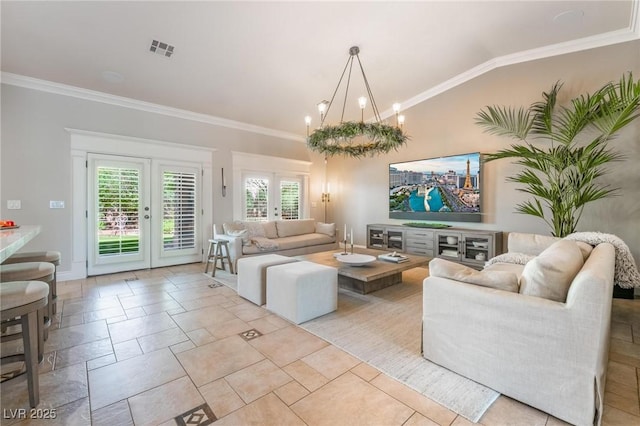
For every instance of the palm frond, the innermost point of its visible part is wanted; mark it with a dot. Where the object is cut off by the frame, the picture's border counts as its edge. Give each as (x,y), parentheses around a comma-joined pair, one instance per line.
(502,121)
(564,176)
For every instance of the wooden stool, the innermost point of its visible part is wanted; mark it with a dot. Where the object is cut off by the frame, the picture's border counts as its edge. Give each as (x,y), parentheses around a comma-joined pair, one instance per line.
(216,247)
(25,300)
(50,256)
(32,271)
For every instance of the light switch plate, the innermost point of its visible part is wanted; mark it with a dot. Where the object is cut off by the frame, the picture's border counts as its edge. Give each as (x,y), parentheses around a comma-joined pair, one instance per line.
(13,204)
(56,204)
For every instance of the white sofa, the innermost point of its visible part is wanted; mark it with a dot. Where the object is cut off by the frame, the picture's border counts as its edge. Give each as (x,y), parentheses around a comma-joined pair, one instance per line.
(292,237)
(549,354)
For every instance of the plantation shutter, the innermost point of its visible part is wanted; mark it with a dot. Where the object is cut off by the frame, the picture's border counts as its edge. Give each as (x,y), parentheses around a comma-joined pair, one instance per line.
(178,210)
(117,210)
(290,199)
(256,199)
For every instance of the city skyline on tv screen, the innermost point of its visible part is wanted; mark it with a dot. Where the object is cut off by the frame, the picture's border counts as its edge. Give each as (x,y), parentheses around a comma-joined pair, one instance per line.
(442,185)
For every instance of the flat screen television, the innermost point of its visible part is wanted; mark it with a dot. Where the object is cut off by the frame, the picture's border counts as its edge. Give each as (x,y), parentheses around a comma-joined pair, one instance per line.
(437,189)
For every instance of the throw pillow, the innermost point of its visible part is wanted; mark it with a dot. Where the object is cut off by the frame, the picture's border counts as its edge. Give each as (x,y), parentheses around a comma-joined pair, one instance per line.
(550,274)
(232,226)
(270,230)
(254,229)
(326,228)
(500,280)
(241,233)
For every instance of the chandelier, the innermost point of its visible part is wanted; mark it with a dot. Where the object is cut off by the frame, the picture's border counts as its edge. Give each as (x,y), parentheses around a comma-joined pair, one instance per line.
(355,138)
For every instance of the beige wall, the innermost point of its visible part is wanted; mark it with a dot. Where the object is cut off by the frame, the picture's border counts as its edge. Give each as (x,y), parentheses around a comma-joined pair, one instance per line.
(36,158)
(36,162)
(444,125)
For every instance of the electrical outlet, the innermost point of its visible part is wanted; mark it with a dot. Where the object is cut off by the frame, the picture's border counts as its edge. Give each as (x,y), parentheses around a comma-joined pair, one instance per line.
(56,204)
(13,204)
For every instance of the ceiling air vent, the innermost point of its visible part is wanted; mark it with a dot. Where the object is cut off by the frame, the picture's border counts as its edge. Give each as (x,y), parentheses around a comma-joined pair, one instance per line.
(161,48)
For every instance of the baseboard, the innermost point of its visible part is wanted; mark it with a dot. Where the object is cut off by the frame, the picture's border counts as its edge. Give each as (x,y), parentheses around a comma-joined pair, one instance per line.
(78,272)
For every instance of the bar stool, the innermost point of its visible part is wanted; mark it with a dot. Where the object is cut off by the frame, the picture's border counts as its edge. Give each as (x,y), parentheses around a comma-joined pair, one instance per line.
(50,256)
(220,250)
(25,300)
(32,271)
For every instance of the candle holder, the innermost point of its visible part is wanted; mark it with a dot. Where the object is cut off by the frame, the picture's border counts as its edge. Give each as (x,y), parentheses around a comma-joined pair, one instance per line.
(345,246)
(351,248)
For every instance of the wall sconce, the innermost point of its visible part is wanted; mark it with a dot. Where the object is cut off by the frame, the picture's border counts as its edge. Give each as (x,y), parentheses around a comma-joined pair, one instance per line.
(224,184)
(326,199)
(326,196)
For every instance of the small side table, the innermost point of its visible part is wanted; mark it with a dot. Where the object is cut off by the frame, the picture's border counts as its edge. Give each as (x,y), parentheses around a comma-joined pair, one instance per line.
(218,251)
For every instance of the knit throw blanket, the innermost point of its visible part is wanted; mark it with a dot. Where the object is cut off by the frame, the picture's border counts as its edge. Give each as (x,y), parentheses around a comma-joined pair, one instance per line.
(626,273)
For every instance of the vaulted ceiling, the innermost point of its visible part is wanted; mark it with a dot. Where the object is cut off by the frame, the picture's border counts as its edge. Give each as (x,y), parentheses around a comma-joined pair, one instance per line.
(265,65)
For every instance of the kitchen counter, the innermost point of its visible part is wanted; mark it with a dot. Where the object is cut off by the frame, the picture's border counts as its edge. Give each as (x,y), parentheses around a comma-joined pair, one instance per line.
(12,240)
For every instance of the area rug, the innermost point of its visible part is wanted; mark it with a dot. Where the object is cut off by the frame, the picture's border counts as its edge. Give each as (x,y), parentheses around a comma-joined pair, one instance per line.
(383,329)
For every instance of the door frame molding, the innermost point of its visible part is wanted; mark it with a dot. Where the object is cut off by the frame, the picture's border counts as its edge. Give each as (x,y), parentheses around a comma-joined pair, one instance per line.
(246,163)
(84,142)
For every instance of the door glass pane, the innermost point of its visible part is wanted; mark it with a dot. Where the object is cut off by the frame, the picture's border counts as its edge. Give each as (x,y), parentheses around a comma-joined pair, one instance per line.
(290,199)
(256,199)
(118,206)
(178,210)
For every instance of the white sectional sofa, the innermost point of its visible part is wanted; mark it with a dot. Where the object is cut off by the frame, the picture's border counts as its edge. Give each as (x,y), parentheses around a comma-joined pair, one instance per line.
(286,237)
(501,327)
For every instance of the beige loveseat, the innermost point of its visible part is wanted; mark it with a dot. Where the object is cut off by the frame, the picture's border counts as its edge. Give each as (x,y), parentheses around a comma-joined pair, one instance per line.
(500,328)
(292,237)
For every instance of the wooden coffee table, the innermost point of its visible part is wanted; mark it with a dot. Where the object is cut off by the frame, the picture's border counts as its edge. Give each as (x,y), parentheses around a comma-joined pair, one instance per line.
(370,277)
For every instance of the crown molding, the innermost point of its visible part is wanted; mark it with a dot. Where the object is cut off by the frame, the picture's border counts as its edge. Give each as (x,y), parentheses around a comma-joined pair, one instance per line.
(614,37)
(600,40)
(95,96)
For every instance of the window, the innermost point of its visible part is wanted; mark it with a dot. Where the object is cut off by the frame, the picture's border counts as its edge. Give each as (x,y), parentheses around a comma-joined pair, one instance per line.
(256,199)
(271,197)
(289,199)
(179,210)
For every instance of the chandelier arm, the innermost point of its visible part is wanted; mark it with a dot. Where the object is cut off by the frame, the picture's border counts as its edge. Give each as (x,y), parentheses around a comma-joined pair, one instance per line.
(374,106)
(346,92)
(335,91)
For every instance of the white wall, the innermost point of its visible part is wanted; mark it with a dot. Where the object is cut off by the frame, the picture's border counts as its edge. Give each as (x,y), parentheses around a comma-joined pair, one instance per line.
(36,159)
(444,125)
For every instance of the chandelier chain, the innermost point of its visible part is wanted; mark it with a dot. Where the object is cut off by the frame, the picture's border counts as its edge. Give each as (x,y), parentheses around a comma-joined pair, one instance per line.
(376,113)
(335,92)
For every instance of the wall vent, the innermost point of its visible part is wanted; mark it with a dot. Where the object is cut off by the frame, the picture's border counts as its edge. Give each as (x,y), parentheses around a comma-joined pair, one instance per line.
(161,48)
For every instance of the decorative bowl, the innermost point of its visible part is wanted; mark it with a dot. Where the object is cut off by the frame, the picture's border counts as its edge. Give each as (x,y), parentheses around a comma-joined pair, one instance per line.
(480,244)
(356,259)
(452,240)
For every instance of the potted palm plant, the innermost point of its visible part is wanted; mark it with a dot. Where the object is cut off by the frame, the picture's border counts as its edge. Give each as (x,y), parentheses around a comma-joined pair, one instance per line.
(564,149)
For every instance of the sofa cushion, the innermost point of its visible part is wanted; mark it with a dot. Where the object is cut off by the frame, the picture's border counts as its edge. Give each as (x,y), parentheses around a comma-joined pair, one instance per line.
(506,267)
(288,228)
(306,240)
(326,228)
(501,280)
(549,275)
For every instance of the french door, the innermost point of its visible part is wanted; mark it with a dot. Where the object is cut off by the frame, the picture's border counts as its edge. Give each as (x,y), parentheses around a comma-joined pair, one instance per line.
(268,196)
(141,213)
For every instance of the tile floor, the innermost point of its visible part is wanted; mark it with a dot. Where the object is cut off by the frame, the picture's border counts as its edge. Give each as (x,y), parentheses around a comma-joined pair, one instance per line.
(171,346)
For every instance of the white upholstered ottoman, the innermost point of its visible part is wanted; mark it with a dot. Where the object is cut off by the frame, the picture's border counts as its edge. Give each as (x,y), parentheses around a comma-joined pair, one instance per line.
(252,275)
(302,291)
